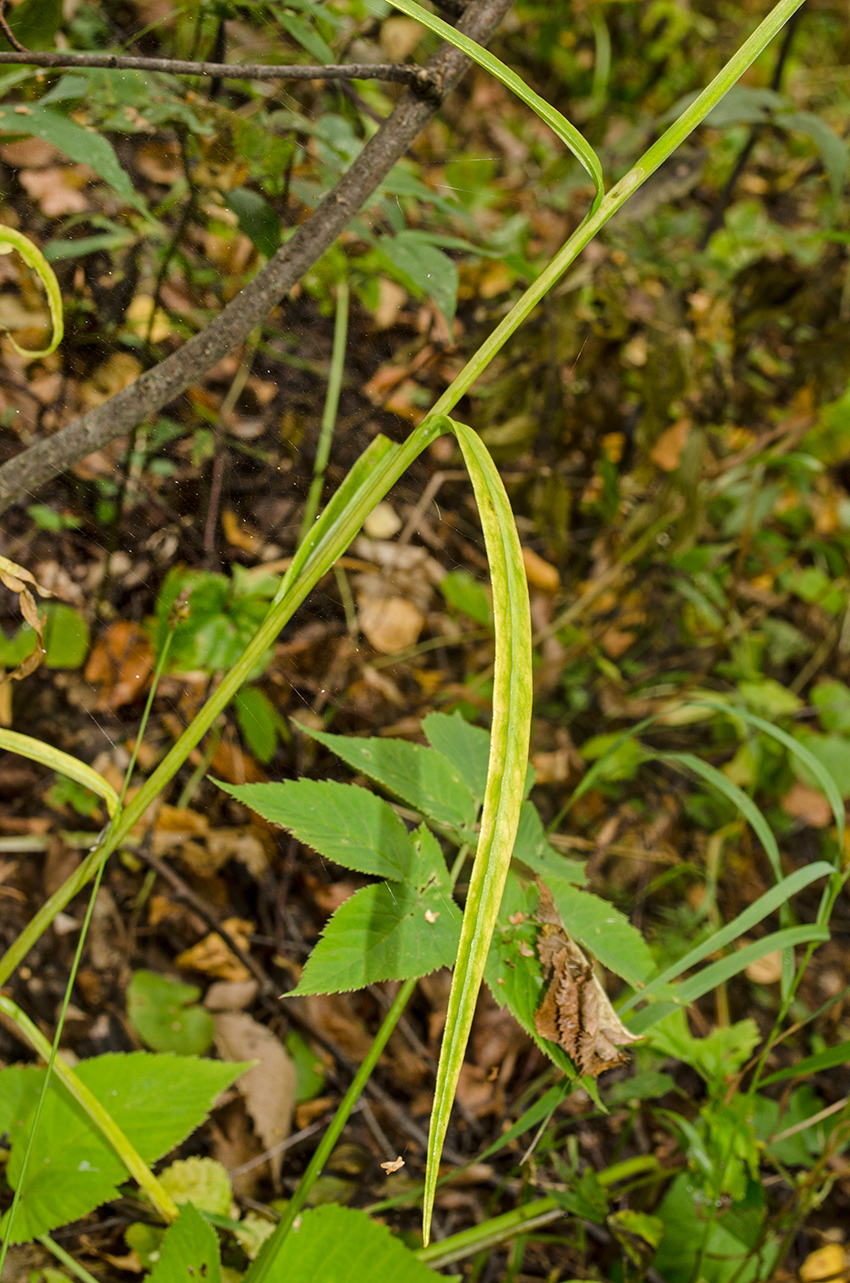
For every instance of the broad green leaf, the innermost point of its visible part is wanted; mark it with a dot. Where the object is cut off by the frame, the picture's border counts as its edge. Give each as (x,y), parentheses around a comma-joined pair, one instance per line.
(388,931)
(757,912)
(769,698)
(66,636)
(307,36)
(467,747)
(533,849)
(715,1057)
(603,931)
(257,218)
(257,721)
(343,822)
(721,1248)
(84,146)
(10,239)
(189,1251)
(72,1168)
(164,1014)
(809,1065)
(421,777)
(467,595)
(509,739)
(338,1245)
(427,268)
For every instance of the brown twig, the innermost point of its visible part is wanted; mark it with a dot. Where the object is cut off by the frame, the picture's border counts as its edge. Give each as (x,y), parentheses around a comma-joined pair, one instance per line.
(10,36)
(156,388)
(267,986)
(415,77)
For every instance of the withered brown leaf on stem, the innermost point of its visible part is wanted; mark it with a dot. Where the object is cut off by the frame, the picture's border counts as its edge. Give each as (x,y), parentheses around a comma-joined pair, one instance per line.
(576,1012)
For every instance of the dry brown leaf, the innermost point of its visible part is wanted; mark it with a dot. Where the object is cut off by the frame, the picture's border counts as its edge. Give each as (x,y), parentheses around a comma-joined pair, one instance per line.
(120,664)
(576,1012)
(230,995)
(383,522)
(667,451)
(615,642)
(56,191)
(394,1166)
(540,573)
(212,956)
(16,578)
(113,376)
(391,624)
(391,299)
(269,1087)
(807,804)
(400,36)
(236,766)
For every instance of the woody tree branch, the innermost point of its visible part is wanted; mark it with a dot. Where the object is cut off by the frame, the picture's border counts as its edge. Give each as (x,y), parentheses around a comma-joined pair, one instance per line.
(34,467)
(60,60)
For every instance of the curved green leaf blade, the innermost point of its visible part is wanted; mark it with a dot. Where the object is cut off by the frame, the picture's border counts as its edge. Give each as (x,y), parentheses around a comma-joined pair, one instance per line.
(757,912)
(559,124)
(509,738)
(34,258)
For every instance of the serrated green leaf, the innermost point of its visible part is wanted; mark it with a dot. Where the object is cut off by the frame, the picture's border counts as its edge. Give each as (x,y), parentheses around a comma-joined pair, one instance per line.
(426,268)
(467,747)
(337,1245)
(346,824)
(534,850)
(189,1251)
(420,776)
(388,931)
(72,1168)
(163,1013)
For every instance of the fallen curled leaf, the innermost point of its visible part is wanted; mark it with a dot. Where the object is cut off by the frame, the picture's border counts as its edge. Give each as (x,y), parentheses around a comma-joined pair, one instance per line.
(120,664)
(391,624)
(394,1166)
(576,1012)
(239,534)
(16,578)
(269,1087)
(212,956)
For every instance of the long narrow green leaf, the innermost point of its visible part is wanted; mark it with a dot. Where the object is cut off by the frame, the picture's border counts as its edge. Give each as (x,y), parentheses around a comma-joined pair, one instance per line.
(826,1059)
(757,912)
(804,755)
(710,977)
(559,124)
(509,738)
(736,796)
(63,763)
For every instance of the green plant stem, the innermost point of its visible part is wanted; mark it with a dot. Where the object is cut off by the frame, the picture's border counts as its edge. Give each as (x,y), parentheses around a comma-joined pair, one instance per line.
(135,1165)
(321,556)
(66,1259)
(268,1256)
(329,414)
(491,1233)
